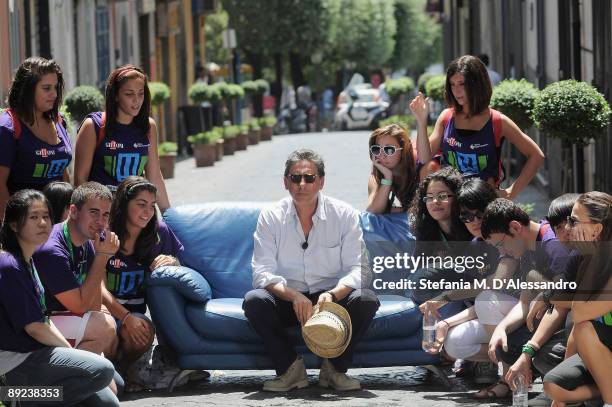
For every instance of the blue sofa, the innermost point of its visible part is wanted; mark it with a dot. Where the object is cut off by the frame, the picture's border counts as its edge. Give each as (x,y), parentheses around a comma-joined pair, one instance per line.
(197,308)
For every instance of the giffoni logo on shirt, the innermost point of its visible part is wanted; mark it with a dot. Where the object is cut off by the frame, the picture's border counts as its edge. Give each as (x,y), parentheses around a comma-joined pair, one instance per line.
(117,263)
(453,142)
(43,152)
(113,145)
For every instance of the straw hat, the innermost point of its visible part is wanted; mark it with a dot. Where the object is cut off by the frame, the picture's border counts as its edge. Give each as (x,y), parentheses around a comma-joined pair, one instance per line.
(328,332)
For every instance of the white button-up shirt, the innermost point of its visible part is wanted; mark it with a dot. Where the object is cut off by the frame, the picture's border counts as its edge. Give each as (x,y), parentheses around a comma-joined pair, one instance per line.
(335,252)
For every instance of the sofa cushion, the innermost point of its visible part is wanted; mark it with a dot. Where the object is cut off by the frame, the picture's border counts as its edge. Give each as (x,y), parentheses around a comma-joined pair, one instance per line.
(222,319)
(218,240)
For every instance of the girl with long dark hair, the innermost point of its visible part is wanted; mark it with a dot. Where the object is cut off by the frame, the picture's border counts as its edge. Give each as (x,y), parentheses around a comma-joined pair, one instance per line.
(121,141)
(35,147)
(146,244)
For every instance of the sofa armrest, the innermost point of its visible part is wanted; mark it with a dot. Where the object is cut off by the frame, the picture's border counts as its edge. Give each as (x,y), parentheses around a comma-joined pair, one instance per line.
(188,282)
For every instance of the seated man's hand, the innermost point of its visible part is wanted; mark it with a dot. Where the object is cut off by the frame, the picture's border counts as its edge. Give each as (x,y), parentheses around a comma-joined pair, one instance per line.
(521,366)
(325,297)
(163,260)
(109,246)
(302,308)
(136,330)
(499,338)
(432,306)
(537,310)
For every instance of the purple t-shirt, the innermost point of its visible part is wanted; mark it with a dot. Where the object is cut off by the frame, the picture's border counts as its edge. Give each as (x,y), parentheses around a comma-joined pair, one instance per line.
(126,278)
(33,162)
(123,153)
(61,265)
(551,257)
(20,305)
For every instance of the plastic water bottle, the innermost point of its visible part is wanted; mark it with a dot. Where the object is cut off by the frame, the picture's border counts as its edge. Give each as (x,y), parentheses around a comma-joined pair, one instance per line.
(519,396)
(429,331)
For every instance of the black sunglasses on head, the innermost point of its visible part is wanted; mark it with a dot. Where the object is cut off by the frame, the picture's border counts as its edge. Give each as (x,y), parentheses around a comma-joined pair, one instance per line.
(467,217)
(297,178)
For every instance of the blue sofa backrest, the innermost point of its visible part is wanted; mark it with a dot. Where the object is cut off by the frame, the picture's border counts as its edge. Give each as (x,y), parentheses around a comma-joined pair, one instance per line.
(218,240)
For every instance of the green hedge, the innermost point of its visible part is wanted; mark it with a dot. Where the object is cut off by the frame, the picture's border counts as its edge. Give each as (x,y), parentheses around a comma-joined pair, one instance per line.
(207,137)
(572,111)
(160,92)
(434,87)
(167,148)
(516,99)
(83,100)
(398,87)
(231,131)
(202,92)
(406,121)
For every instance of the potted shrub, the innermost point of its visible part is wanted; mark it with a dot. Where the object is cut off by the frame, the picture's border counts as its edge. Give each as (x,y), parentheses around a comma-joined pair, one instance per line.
(254,130)
(83,100)
(160,92)
(266,124)
(434,87)
(242,139)
(204,147)
(423,80)
(229,139)
(219,142)
(397,89)
(201,92)
(573,112)
(167,158)
(515,99)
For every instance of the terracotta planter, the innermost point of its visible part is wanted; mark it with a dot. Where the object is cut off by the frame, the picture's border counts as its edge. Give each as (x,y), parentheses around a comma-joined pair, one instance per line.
(242,141)
(253,136)
(229,146)
(219,146)
(166,165)
(266,133)
(204,154)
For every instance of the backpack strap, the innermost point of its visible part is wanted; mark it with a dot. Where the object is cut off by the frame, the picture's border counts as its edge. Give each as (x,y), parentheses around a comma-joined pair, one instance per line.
(497,127)
(102,130)
(543,229)
(16,123)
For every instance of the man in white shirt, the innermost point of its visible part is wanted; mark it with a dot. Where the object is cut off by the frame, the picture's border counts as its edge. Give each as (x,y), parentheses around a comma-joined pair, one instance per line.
(308,249)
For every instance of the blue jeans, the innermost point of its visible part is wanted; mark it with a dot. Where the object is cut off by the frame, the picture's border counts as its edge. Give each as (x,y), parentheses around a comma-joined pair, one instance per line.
(83,375)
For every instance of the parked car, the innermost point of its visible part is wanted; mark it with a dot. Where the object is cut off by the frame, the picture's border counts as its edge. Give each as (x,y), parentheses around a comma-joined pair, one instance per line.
(360,107)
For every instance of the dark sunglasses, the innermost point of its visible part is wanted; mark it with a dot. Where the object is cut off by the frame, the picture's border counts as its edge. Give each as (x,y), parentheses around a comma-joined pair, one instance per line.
(297,178)
(387,150)
(468,217)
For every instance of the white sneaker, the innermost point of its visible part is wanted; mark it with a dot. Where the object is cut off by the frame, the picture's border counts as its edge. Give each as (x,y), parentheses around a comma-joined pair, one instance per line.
(294,377)
(328,377)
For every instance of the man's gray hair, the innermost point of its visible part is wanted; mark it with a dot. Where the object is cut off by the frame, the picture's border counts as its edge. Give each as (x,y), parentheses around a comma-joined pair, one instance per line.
(305,154)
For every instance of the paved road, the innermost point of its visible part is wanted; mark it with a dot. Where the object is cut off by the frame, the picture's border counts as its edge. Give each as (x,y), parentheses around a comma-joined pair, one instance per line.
(256,174)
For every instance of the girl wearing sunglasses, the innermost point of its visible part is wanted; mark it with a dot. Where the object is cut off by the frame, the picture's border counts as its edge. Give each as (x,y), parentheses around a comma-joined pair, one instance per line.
(584,374)
(394,178)
(469,135)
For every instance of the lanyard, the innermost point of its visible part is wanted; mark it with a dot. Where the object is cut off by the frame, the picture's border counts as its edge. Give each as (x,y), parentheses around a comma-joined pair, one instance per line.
(39,290)
(81,267)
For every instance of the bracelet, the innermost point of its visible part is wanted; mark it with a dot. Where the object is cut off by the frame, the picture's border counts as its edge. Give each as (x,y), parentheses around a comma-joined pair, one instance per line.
(528,349)
(125,317)
(105,254)
(443,320)
(385,181)
(334,298)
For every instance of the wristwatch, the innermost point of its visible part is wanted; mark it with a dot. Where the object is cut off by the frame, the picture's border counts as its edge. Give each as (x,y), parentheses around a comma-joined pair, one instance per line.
(334,298)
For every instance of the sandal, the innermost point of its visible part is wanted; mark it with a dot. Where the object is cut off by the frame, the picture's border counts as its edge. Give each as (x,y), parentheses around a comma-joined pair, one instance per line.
(489,393)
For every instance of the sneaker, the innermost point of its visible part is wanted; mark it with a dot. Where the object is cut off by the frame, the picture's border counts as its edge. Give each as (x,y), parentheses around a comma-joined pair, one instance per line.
(485,373)
(294,377)
(329,377)
(540,400)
